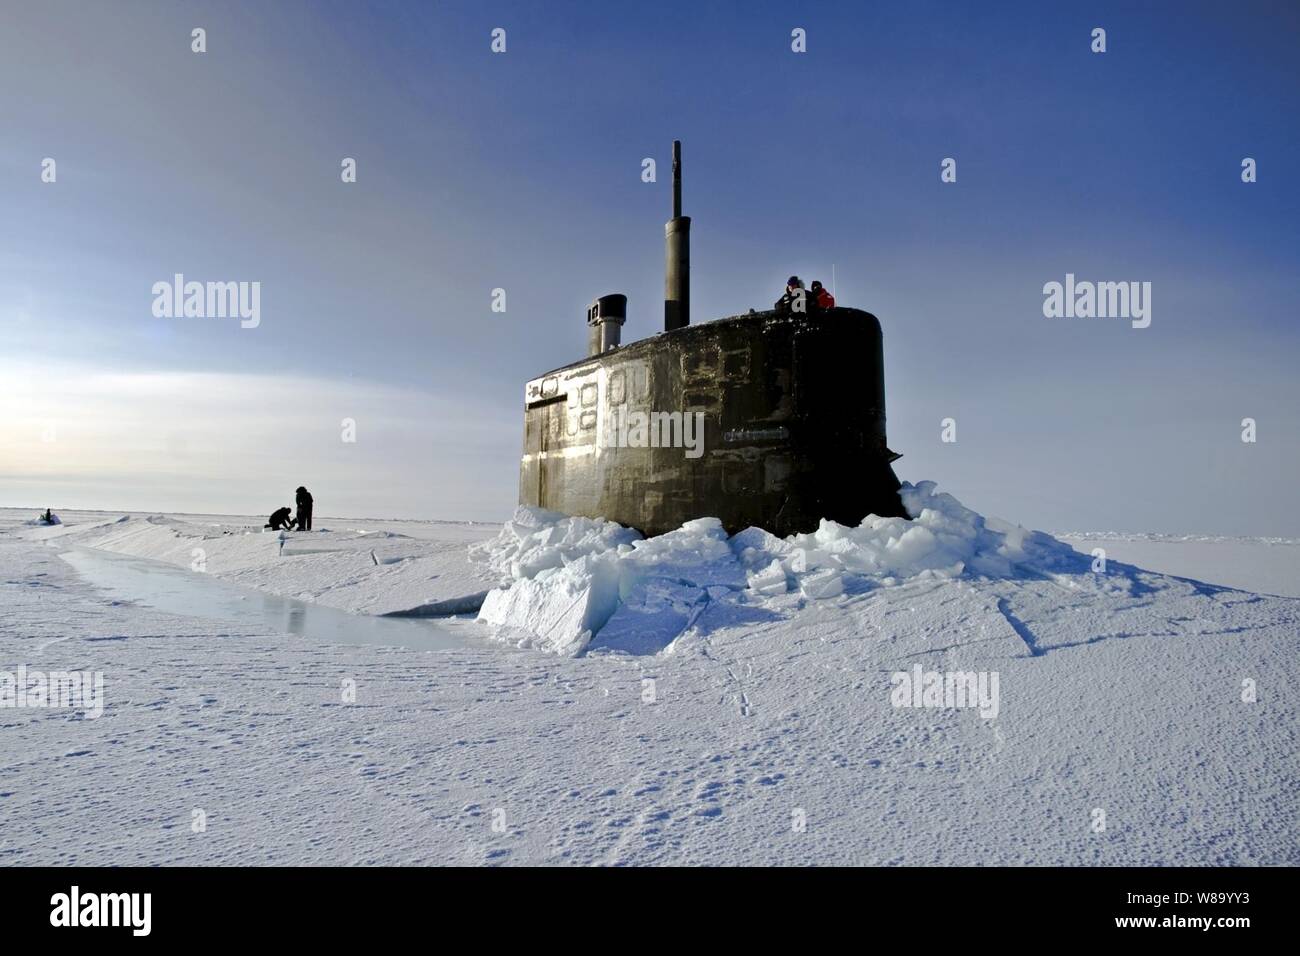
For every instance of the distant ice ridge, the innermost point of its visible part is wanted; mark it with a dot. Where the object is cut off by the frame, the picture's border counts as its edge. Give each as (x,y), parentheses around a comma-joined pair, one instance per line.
(584,583)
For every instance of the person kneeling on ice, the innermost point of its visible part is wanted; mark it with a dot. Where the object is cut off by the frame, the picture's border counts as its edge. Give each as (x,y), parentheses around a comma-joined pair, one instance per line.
(304,501)
(279,520)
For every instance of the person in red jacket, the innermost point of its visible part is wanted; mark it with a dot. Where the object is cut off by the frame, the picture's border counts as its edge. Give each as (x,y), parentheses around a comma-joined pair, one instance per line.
(821,296)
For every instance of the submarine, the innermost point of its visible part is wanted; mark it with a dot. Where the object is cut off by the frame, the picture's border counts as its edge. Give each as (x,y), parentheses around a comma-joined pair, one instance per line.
(772,419)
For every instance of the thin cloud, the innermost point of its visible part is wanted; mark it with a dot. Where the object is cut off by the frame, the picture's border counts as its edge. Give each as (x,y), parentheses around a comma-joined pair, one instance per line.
(203,441)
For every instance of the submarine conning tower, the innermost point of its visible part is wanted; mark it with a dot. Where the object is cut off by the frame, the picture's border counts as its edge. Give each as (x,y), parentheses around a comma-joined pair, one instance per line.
(773,419)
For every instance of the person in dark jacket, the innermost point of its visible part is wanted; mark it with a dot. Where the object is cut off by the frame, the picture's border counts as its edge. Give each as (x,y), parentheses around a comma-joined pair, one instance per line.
(279,520)
(304,501)
(795,298)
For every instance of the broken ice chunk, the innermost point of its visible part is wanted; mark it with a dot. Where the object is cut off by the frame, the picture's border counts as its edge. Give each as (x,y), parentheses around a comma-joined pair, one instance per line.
(771,580)
(818,585)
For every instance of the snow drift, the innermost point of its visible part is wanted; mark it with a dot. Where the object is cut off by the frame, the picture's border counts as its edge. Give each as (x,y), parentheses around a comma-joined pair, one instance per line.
(573,579)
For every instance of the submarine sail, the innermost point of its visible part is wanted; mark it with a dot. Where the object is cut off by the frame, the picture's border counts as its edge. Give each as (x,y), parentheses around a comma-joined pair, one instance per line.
(768,419)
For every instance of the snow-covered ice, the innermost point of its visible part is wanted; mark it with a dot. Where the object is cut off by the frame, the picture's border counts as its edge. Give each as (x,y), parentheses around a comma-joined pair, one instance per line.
(691,698)
(363,567)
(572,576)
(1265,565)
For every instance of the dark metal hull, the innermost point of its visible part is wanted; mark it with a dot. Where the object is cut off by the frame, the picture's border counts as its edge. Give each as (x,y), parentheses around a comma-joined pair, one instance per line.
(793,427)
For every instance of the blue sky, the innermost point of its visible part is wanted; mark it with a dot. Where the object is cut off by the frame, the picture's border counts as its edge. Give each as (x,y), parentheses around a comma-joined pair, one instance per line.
(522,171)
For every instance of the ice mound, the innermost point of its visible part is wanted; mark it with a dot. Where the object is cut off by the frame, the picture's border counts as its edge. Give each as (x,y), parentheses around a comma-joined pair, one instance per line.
(562,575)
(534,540)
(943,539)
(569,576)
(698,554)
(571,579)
(560,608)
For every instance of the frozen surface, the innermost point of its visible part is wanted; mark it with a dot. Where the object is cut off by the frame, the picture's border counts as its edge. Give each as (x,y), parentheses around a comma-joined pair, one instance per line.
(734,707)
(180,591)
(359,566)
(1266,565)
